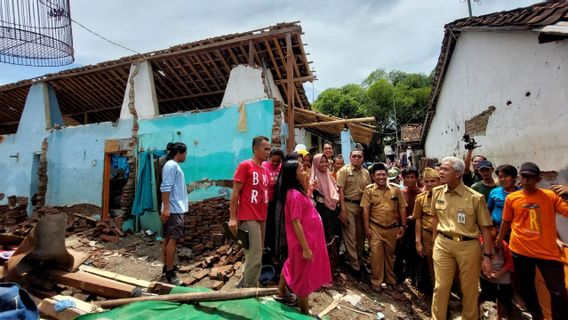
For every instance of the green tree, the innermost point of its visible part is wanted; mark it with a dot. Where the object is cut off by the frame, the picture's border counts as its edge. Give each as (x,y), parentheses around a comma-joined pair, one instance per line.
(394,98)
(374,77)
(346,102)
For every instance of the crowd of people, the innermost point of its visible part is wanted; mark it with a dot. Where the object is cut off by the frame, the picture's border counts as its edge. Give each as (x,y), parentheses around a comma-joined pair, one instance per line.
(463,226)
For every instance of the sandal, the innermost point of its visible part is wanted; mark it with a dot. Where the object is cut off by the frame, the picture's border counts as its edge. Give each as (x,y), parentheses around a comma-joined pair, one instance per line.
(290,299)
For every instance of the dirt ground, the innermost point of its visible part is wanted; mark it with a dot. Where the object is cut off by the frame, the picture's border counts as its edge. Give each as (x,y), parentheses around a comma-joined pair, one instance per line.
(139,255)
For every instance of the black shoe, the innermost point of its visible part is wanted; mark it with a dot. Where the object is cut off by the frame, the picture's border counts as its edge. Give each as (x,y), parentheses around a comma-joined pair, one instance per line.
(355,273)
(172,278)
(164,269)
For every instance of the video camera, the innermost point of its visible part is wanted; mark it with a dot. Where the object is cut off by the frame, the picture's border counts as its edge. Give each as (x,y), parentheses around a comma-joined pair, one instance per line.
(470,142)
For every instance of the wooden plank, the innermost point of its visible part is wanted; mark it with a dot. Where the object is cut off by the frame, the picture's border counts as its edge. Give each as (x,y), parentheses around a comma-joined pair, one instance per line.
(106,187)
(330,307)
(223,62)
(188,75)
(89,282)
(196,296)
(111,145)
(206,70)
(290,94)
(78,258)
(197,95)
(251,53)
(46,308)
(177,77)
(271,55)
(334,122)
(117,277)
(192,68)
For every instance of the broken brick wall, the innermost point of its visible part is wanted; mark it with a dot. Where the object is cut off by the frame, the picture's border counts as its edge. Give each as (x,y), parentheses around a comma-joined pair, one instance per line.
(204,224)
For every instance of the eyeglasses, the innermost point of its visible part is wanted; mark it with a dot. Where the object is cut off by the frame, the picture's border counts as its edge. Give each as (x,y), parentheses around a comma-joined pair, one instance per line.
(356,156)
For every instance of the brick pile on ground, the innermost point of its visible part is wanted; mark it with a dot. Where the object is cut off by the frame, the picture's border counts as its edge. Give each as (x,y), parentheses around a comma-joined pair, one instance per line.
(14,213)
(214,270)
(204,224)
(109,230)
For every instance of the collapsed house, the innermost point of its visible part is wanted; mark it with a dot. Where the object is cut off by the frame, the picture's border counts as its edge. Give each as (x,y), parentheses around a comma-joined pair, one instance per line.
(92,135)
(501,78)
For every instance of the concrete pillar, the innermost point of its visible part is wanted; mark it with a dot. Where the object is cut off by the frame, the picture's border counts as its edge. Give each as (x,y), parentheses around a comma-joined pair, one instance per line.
(346,145)
(41,110)
(145,99)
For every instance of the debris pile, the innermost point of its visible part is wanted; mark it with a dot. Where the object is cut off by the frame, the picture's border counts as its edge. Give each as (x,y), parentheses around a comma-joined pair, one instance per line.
(204,231)
(13,213)
(109,230)
(216,269)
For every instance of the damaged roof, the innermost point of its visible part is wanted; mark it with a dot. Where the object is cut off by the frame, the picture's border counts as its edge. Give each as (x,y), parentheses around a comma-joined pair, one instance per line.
(360,132)
(410,132)
(187,77)
(528,18)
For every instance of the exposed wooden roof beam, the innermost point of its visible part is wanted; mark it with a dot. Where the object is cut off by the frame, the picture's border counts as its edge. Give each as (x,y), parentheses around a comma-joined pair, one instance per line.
(332,122)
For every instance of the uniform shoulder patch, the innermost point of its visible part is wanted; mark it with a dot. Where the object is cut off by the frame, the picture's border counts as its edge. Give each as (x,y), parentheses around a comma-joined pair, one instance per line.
(439,187)
(422,194)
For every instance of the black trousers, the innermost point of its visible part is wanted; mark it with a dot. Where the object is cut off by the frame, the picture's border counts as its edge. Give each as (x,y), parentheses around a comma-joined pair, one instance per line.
(406,264)
(330,219)
(553,274)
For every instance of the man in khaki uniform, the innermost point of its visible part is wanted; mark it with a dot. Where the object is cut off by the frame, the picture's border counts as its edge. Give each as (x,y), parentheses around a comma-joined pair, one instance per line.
(461,213)
(352,180)
(384,220)
(424,218)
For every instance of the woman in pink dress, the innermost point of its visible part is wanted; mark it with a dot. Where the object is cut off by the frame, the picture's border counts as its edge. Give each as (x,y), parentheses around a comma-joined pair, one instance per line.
(307,267)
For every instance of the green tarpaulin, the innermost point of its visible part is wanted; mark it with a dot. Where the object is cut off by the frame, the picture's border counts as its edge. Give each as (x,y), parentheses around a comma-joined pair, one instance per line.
(234,309)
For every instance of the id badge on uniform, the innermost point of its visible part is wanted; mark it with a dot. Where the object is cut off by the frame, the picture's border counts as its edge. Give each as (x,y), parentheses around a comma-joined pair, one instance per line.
(461,216)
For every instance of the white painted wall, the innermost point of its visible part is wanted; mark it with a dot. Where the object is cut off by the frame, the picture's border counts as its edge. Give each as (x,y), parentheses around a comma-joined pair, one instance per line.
(491,68)
(247,84)
(145,99)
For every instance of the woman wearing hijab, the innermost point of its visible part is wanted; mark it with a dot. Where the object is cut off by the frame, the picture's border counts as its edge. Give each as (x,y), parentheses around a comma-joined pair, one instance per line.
(325,194)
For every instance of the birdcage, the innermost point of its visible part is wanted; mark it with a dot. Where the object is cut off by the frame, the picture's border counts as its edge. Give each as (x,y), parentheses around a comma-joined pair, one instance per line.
(36,32)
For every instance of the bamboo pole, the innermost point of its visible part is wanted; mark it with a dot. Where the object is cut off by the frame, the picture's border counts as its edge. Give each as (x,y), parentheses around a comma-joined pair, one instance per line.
(195,296)
(344,121)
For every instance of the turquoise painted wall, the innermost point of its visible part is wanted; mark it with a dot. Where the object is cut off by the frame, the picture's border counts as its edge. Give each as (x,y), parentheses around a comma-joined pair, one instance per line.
(215,147)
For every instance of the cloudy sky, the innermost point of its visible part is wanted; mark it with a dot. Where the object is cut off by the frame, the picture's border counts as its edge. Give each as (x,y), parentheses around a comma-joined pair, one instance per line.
(346,39)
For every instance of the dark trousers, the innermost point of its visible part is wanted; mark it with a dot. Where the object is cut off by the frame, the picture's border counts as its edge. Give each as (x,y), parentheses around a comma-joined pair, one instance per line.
(330,220)
(407,262)
(553,274)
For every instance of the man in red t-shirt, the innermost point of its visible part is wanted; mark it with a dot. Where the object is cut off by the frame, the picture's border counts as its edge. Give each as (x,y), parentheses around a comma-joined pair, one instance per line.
(530,214)
(249,205)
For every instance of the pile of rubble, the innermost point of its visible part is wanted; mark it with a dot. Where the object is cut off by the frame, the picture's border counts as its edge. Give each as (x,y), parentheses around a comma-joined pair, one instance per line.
(216,269)
(13,213)
(109,230)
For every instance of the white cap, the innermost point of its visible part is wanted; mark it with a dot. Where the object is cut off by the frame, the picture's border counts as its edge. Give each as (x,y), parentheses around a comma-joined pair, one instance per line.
(300,147)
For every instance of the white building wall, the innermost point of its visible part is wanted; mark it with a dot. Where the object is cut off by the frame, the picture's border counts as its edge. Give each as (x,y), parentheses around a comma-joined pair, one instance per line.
(247,83)
(145,100)
(491,69)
